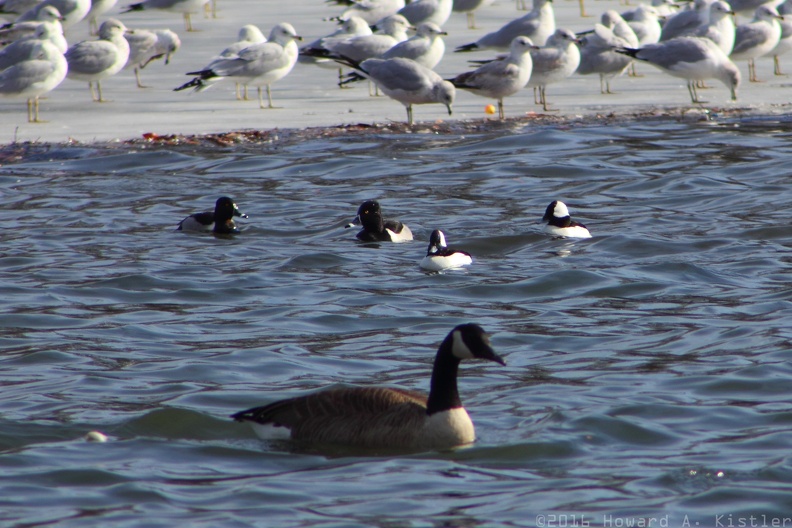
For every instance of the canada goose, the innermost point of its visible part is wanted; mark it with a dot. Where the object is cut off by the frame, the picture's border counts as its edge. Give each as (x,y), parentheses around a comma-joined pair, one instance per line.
(380,417)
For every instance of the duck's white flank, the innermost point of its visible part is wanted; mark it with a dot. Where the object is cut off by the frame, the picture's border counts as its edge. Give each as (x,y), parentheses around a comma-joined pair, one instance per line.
(568,232)
(405,235)
(439,262)
(191,224)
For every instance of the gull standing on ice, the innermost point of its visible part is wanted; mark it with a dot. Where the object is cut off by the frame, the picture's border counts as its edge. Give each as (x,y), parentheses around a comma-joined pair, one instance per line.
(421,11)
(501,77)
(372,11)
(469,7)
(354,26)
(14,8)
(186,7)
(554,62)
(719,27)
(71,11)
(362,47)
(537,25)
(426,47)
(408,82)
(693,59)
(685,23)
(49,18)
(257,65)
(34,77)
(98,9)
(94,60)
(146,46)
(747,8)
(597,55)
(248,34)
(25,48)
(785,43)
(757,38)
(646,25)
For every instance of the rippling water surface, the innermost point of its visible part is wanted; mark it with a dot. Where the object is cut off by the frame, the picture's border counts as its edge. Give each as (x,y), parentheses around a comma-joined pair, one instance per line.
(648,368)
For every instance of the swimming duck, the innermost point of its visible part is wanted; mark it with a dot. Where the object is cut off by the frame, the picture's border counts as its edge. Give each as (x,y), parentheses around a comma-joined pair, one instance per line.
(382,417)
(220,221)
(375,229)
(560,224)
(439,256)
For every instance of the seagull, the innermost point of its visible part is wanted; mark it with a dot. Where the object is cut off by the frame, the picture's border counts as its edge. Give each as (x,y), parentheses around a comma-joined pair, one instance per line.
(247,35)
(614,21)
(94,60)
(664,8)
(421,11)
(537,25)
(16,7)
(501,77)
(406,81)
(757,38)
(646,25)
(362,47)
(719,28)
(372,11)
(146,46)
(597,55)
(49,17)
(785,43)
(469,7)
(554,62)
(98,8)
(186,7)
(24,49)
(72,11)
(748,7)
(257,65)
(685,23)
(426,47)
(354,26)
(34,77)
(690,58)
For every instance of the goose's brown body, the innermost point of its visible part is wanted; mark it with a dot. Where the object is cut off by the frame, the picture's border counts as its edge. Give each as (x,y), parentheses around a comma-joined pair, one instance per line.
(385,417)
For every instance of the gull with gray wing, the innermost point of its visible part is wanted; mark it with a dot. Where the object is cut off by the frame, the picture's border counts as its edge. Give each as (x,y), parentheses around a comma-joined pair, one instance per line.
(96,60)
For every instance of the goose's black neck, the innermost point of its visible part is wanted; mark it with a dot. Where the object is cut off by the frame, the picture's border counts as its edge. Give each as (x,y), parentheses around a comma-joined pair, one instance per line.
(443,393)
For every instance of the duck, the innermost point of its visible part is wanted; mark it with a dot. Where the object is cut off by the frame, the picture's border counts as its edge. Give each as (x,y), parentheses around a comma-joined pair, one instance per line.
(220,221)
(375,228)
(560,224)
(384,417)
(440,257)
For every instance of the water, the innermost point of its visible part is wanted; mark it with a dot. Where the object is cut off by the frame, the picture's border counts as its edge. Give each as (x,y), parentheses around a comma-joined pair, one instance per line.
(648,368)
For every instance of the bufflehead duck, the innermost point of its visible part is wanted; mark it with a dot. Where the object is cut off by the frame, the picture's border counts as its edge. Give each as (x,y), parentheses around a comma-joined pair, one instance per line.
(560,224)
(382,417)
(220,221)
(375,229)
(439,256)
